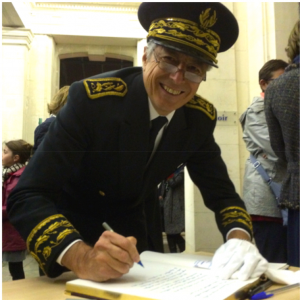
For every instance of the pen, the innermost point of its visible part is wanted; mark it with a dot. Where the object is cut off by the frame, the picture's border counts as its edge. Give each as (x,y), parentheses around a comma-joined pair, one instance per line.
(107,227)
(260,288)
(265,295)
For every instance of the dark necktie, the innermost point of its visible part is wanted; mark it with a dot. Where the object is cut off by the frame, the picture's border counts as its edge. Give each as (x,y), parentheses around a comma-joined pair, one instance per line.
(156,125)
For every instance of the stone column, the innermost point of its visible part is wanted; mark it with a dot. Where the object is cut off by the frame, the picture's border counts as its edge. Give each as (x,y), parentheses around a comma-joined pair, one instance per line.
(16,44)
(42,83)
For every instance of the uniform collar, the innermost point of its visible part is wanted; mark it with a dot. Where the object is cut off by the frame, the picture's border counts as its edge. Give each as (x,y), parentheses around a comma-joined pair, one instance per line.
(154,114)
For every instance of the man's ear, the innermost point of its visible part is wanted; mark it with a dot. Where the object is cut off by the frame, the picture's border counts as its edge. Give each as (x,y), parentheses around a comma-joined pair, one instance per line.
(263,84)
(16,158)
(144,57)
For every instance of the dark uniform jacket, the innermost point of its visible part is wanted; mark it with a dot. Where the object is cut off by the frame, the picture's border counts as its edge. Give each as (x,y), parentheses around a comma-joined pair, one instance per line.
(40,132)
(91,168)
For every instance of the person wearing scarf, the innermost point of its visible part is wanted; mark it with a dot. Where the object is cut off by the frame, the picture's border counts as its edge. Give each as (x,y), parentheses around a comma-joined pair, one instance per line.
(15,154)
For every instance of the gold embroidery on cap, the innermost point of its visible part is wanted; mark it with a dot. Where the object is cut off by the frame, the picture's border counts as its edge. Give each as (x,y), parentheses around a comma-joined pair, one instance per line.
(188,33)
(202,104)
(205,22)
(101,87)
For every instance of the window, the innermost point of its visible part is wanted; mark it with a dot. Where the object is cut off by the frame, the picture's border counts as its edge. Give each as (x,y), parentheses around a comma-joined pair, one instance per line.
(74,69)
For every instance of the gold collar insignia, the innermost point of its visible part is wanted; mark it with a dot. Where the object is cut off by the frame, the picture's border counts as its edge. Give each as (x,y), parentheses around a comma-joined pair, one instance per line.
(101,87)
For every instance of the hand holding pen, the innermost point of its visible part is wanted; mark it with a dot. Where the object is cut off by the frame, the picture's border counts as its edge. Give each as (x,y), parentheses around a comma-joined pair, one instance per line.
(112,256)
(107,227)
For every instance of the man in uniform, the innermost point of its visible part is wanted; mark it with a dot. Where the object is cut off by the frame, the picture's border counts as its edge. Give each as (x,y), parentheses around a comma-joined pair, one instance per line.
(97,163)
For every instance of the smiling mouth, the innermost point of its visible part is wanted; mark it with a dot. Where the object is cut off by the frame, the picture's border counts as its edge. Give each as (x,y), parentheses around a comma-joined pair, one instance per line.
(171,91)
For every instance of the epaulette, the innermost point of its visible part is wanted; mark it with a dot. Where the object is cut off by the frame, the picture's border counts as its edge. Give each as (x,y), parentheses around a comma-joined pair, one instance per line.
(101,87)
(202,104)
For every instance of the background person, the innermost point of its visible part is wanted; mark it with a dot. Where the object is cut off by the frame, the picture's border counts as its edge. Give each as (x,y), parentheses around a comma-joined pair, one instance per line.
(282,115)
(172,201)
(93,165)
(14,156)
(261,204)
(56,104)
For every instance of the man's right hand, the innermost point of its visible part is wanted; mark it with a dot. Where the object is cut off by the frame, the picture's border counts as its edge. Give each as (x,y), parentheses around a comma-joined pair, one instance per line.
(111,257)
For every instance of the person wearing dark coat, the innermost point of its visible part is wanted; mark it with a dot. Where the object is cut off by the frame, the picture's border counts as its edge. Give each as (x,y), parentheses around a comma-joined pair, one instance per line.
(95,164)
(14,156)
(171,196)
(56,104)
(282,115)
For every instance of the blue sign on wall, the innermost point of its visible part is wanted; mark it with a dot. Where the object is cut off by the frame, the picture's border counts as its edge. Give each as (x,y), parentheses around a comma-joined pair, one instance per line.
(227,118)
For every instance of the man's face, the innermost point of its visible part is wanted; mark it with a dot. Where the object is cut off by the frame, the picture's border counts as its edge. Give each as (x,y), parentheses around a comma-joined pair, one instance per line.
(264,84)
(167,91)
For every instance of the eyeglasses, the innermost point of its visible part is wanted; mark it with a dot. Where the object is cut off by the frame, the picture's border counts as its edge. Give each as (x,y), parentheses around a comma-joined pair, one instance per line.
(193,73)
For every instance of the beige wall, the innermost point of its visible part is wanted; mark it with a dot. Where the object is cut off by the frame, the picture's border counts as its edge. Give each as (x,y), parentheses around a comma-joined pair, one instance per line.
(30,77)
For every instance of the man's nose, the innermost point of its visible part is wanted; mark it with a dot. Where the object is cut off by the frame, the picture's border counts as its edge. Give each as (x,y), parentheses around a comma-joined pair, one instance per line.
(178,76)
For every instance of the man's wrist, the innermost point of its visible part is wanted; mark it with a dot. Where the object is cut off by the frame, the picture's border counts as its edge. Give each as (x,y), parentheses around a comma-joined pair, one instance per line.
(73,257)
(59,259)
(238,233)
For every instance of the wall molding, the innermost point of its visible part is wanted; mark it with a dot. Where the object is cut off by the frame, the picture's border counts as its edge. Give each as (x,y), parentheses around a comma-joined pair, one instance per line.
(20,36)
(95,57)
(129,7)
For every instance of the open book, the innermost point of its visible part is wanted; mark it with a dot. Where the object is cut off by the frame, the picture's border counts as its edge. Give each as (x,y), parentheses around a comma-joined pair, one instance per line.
(165,277)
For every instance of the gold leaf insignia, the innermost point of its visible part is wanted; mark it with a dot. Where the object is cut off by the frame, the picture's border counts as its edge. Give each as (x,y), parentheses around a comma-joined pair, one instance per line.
(234,214)
(160,30)
(63,234)
(46,252)
(52,227)
(47,235)
(206,20)
(189,33)
(101,87)
(202,104)
(40,241)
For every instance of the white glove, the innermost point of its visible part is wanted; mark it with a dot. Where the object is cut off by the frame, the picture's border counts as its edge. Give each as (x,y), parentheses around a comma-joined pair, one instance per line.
(238,259)
(283,276)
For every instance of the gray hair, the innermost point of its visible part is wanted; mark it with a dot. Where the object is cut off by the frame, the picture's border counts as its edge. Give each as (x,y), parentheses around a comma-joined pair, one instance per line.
(151,47)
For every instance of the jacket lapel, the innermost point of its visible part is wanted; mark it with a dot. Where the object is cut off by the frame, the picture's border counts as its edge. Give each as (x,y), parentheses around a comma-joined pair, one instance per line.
(171,151)
(133,136)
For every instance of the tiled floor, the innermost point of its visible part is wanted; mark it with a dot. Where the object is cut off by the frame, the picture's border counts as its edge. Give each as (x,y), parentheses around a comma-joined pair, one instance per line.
(30,267)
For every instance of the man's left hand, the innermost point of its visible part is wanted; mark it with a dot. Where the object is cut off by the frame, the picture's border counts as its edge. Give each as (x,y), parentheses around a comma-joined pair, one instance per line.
(238,259)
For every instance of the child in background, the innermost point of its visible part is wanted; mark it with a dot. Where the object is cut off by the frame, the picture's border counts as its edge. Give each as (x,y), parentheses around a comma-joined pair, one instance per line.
(15,154)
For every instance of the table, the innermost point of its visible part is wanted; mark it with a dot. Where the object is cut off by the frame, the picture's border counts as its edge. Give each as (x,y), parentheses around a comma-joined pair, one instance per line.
(44,288)
(39,288)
